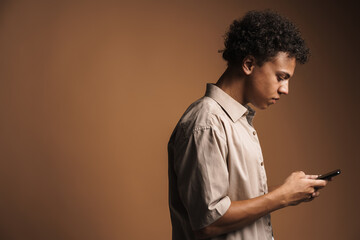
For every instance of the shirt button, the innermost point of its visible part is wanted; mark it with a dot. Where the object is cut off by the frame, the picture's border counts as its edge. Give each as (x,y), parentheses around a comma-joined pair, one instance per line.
(254,133)
(262,163)
(269,223)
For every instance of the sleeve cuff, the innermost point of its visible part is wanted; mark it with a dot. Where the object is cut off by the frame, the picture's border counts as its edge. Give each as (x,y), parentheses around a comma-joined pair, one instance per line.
(215,211)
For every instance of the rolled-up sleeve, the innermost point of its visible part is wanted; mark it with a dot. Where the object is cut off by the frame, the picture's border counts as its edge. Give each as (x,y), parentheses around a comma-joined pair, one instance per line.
(202,176)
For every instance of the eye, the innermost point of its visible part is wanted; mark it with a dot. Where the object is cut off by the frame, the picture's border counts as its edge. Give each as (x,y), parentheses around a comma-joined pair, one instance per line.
(280,78)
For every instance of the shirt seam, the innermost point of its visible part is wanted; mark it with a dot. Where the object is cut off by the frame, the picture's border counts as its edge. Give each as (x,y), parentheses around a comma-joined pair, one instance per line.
(203,128)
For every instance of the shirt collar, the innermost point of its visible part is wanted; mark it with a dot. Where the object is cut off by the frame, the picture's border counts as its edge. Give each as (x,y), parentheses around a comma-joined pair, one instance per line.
(233,108)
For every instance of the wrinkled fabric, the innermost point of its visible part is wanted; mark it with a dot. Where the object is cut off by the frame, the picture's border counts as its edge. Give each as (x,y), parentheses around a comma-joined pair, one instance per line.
(214,158)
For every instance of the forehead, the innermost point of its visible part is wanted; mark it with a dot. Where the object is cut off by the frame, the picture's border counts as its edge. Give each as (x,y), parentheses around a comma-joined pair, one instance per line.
(283,63)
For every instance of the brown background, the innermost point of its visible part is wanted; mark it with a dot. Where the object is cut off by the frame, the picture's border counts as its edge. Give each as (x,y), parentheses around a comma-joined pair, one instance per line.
(90,92)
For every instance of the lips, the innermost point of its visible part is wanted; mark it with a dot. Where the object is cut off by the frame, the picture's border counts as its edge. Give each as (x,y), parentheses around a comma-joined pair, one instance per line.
(274,100)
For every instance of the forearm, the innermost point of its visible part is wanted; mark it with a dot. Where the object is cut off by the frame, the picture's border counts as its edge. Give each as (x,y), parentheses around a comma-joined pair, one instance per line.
(297,188)
(243,213)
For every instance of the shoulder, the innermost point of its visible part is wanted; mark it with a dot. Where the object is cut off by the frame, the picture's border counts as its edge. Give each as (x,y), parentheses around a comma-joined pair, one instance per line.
(203,114)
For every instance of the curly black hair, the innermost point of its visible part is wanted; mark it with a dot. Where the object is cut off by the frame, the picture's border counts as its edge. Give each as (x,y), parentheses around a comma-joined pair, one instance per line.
(263,34)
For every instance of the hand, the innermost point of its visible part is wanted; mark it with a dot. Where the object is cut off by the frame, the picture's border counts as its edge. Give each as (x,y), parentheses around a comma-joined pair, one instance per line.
(299,187)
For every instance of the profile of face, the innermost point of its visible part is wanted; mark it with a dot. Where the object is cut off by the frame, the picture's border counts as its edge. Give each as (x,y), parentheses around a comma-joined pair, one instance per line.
(267,82)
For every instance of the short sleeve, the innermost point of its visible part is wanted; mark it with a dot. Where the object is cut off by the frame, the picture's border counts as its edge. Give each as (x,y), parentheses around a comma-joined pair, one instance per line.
(202,176)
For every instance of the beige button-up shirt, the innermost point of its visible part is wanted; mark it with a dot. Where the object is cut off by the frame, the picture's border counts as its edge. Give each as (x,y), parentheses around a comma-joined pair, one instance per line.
(215,158)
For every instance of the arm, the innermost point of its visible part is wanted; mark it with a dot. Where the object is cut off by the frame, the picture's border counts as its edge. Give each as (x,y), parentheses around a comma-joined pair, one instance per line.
(297,188)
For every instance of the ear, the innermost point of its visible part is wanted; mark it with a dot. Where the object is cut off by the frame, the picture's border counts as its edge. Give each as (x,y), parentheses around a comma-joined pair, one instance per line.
(248,64)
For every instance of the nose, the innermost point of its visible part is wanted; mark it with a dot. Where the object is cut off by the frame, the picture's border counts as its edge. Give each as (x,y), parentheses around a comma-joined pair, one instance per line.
(284,87)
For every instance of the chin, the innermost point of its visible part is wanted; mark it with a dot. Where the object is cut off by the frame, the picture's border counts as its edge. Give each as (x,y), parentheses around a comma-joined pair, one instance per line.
(262,107)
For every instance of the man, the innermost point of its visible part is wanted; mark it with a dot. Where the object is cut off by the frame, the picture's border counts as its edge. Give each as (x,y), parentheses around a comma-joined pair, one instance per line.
(217,180)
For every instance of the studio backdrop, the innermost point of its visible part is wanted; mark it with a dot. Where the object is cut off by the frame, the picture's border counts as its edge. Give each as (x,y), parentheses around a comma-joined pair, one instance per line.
(90,92)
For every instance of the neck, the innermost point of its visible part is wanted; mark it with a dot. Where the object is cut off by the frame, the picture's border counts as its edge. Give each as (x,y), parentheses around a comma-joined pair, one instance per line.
(233,83)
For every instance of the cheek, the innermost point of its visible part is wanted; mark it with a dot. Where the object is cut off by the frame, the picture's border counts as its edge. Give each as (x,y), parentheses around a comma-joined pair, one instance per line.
(262,88)
(269,84)
(263,85)
(264,91)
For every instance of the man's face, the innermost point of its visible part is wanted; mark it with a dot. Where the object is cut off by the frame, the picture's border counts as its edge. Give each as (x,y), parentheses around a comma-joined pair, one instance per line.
(268,82)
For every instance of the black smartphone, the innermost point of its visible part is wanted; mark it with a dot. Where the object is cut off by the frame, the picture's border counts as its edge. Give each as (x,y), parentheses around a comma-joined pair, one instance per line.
(329,175)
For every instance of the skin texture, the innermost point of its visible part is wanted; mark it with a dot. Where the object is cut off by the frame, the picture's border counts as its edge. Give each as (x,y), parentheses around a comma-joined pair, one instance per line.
(258,85)
(269,81)
(262,86)
(297,188)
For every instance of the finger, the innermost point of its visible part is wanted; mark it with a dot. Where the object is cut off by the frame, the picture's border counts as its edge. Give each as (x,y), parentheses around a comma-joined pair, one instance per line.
(316,188)
(315,194)
(309,198)
(318,183)
(299,173)
(311,176)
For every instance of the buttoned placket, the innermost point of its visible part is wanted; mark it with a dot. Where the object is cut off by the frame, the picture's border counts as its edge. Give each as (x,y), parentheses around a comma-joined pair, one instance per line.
(263,180)
(263,174)
(263,188)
